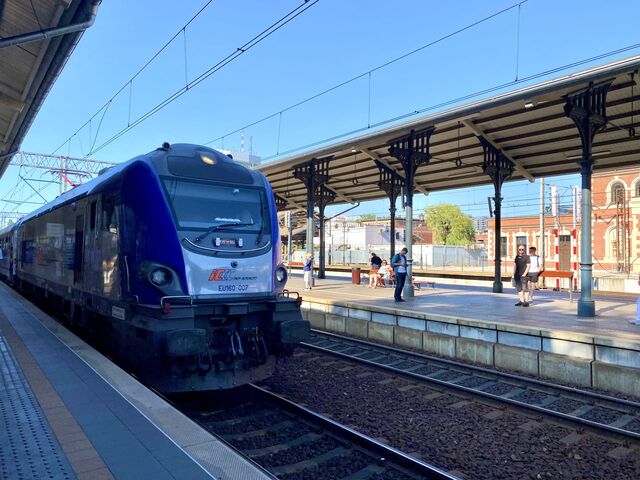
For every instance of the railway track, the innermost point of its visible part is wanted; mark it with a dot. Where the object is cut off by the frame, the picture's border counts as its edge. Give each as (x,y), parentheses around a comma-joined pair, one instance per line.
(590,409)
(291,442)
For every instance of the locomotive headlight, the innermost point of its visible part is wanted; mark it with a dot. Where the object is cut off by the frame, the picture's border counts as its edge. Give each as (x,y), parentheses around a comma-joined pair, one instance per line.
(160,276)
(281,274)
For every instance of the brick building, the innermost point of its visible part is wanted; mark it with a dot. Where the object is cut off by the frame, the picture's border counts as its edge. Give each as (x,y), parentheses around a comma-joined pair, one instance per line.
(615,230)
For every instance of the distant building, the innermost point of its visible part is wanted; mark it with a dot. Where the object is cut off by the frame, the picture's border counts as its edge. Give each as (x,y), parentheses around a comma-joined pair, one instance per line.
(480,224)
(421,232)
(615,228)
(243,158)
(481,238)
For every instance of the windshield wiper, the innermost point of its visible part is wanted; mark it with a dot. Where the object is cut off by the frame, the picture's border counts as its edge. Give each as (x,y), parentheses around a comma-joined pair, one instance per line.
(262,214)
(213,228)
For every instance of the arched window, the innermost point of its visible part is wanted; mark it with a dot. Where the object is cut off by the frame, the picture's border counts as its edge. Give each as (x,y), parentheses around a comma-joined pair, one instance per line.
(617,192)
(637,192)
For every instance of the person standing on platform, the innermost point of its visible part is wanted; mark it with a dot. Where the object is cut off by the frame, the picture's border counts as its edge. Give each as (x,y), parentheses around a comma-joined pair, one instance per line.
(521,266)
(535,269)
(376,263)
(308,272)
(399,264)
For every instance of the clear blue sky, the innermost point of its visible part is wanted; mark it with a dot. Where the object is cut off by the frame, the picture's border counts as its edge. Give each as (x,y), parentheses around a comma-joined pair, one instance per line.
(331,42)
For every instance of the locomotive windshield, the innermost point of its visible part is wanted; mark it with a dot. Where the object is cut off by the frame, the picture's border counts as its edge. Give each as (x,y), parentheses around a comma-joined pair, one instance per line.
(199,205)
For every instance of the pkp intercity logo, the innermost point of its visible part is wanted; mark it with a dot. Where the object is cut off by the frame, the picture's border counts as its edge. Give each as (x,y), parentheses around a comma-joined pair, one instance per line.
(219,274)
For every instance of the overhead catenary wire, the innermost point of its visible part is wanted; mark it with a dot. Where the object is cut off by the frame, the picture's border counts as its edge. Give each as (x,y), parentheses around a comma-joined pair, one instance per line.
(369,72)
(267,32)
(453,101)
(93,144)
(138,72)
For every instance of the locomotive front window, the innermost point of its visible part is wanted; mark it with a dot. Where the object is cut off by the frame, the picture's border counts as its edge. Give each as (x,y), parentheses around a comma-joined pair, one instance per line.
(199,205)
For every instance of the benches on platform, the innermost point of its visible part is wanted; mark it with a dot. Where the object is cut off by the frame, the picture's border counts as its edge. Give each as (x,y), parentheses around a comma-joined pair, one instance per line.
(560,274)
(420,283)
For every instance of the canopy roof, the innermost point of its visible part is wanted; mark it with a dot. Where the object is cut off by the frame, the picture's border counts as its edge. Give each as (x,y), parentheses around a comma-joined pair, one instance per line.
(529,126)
(28,70)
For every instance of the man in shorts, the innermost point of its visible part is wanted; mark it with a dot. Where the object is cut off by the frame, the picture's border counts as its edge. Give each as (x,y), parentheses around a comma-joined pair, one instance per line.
(520,270)
(535,268)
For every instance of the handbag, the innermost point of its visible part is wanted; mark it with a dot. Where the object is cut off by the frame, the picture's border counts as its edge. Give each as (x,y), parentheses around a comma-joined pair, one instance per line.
(513,282)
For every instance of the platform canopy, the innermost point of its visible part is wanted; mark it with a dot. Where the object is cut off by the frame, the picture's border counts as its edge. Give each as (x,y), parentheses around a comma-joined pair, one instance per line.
(528,125)
(29,64)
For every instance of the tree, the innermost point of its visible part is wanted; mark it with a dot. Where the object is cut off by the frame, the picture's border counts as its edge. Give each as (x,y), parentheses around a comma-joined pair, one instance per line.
(452,227)
(366,217)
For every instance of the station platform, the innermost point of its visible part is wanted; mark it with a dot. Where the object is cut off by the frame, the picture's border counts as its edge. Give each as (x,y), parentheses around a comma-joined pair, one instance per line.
(474,324)
(67,412)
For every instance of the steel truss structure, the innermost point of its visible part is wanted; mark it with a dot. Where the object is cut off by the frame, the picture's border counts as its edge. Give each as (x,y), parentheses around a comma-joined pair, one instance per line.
(33,189)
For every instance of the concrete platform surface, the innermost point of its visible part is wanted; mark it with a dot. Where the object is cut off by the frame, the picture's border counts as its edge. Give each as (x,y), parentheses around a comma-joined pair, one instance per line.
(550,311)
(68,412)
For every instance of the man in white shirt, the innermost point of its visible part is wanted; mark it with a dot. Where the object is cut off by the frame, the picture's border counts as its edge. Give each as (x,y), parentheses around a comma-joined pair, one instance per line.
(535,268)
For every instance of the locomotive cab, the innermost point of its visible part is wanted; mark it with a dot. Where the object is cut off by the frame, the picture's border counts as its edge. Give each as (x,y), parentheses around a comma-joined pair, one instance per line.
(219,280)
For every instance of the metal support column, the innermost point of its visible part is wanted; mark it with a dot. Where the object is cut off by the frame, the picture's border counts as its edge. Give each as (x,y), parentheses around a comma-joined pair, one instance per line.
(499,168)
(313,175)
(411,151)
(588,110)
(391,183)
(323,197)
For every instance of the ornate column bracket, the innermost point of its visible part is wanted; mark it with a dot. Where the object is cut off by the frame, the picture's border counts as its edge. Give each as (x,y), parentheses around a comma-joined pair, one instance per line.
(588,110)
(314,175)
(499,168)
(323,197)
(281,203)
(412,151)
(494,164)
(391,183)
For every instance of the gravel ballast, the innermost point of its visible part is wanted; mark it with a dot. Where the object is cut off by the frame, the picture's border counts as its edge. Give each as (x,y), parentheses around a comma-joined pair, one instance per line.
(465,437)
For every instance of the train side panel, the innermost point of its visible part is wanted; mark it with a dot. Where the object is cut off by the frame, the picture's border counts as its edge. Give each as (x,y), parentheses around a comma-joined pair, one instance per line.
(116,258)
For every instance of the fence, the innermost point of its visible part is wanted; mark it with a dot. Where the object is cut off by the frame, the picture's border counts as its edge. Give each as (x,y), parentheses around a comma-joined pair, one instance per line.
(424,256)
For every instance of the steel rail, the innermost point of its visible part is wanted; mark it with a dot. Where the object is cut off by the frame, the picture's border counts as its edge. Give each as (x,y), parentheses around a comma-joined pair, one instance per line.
(560,392)
(387,452)
(361,441)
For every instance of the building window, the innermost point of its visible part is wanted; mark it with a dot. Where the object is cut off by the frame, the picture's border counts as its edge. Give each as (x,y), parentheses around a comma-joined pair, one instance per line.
(613,245)
(637,192)
(503,246)
(522,241)
(617,192)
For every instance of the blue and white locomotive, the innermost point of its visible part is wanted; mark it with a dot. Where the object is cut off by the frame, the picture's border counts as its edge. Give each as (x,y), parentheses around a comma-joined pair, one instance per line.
(171,261)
